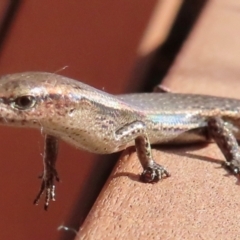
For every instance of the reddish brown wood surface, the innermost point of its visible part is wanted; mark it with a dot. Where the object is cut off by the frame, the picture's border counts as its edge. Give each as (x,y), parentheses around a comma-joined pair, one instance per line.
(199,201)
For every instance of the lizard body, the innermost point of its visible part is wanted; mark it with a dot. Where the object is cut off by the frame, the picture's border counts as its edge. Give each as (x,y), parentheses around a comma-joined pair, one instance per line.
(102,123)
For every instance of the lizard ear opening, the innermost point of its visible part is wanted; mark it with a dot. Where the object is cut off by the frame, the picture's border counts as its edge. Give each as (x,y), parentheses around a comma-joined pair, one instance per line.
(23,102)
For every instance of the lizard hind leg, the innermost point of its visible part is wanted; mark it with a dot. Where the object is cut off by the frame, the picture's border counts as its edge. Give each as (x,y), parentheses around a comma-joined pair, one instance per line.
(223,135)
(161,89)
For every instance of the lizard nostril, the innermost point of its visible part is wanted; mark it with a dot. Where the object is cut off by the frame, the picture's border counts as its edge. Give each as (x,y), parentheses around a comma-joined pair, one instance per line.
(71,111)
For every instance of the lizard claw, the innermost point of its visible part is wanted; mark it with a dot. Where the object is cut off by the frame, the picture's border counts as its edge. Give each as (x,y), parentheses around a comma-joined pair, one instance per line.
(233,168)
(48,187)
(154,173)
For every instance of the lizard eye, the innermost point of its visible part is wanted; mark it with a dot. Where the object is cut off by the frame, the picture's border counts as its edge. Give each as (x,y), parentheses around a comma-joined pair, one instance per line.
(23,102)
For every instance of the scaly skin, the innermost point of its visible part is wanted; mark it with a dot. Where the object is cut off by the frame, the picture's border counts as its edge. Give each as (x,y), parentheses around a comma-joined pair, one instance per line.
(98,122)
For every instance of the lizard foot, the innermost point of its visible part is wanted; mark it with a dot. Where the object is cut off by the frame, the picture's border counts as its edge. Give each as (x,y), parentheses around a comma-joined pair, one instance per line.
(48,187)
(232,167)
(154,173)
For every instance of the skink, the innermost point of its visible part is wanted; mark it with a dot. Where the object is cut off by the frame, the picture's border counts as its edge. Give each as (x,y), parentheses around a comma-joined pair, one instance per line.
(102,123)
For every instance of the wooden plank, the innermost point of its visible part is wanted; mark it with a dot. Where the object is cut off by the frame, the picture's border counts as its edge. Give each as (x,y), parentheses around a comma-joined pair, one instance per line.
(199,201)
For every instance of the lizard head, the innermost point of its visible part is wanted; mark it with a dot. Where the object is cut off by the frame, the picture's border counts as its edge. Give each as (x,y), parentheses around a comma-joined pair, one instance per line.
(50,101)
(34,99)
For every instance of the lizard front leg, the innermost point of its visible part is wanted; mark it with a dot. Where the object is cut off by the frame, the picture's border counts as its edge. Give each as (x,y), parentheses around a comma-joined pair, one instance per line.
(223,135)
(136,130)
(49,172)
